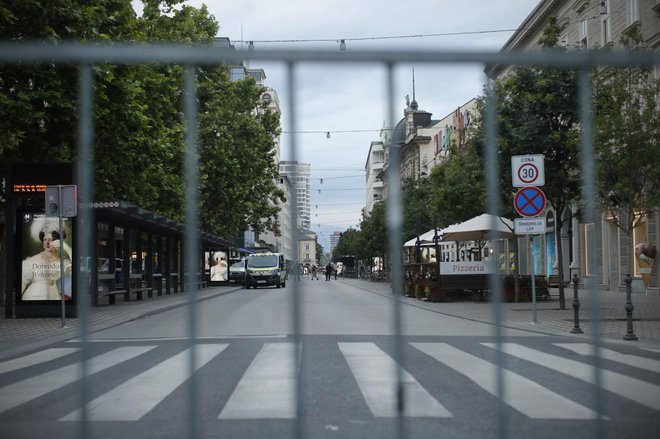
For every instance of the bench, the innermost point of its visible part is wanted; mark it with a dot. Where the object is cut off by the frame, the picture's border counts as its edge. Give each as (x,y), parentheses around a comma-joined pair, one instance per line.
(111,295)
(553,282)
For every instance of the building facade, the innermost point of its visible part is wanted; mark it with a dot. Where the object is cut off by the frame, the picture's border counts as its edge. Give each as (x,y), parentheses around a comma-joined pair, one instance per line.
(590,25)
(300,176)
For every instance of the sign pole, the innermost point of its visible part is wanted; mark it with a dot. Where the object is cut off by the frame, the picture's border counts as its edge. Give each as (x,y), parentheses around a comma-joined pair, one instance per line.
(61,250)
(535,317)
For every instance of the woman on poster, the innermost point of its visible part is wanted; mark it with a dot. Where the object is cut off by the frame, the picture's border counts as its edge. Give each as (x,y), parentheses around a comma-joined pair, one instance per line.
(219,271)
(40,277)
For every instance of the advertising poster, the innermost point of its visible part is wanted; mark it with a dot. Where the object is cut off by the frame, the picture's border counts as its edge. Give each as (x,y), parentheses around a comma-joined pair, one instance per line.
(41,242)
(218,267)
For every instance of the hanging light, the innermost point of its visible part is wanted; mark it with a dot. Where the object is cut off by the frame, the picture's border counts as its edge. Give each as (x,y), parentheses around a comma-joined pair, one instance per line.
(342,45)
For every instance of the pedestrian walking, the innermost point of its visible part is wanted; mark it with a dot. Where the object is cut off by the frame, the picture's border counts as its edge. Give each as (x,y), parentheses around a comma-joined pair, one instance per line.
(314,270)
(328,271)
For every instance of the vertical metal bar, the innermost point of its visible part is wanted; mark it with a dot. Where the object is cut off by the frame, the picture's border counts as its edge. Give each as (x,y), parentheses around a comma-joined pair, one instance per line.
(84,223)
(492,183)
(296,310)
(588,195)
(61,228)
(394,222)
(191,239)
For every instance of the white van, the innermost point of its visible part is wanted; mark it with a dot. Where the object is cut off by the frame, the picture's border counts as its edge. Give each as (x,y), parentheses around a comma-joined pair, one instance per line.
(265,269)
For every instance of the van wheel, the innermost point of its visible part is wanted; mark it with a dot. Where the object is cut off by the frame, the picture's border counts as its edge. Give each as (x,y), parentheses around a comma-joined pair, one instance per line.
(283,284)
(279,285)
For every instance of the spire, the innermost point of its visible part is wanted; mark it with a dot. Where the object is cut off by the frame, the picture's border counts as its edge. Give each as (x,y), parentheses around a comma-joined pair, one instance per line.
(413,104)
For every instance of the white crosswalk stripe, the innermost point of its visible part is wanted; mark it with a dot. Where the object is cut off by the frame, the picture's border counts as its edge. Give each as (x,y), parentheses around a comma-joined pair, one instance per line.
(644,393)
(18,393)
(630,360)
(526,396)
(36,358)
(138,396)
(375,373)
(267,389)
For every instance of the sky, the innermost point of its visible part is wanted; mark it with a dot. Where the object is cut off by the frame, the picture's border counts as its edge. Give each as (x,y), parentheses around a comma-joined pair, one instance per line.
(352,97)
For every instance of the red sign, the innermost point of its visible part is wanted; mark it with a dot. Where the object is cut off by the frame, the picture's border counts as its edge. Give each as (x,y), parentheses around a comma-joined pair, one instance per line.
(529,201)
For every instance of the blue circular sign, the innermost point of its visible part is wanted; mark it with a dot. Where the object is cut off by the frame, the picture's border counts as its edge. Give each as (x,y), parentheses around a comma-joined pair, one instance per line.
(529,201)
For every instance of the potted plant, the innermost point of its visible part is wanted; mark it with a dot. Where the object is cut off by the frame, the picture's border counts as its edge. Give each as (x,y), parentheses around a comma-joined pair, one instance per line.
(435,292)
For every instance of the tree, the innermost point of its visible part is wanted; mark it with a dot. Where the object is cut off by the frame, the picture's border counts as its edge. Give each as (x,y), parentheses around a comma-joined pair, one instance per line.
(348,244)
(139,127)
(319,252)
(538,114)
(627,141)
(373,233)
(417,216)
(457,186)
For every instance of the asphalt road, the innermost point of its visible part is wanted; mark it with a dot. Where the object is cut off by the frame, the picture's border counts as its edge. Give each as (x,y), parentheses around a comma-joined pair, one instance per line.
(244,383)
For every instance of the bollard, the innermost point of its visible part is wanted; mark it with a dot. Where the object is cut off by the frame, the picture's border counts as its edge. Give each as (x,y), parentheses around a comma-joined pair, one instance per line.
(576,307)
(630,335)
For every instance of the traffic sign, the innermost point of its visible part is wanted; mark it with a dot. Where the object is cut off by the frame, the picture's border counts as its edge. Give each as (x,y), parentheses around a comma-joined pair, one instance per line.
(529,226)
(529,201)
(527,170)
(62,200)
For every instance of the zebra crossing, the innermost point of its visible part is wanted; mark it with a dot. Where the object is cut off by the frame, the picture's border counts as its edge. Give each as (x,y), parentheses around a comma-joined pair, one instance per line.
(266,389)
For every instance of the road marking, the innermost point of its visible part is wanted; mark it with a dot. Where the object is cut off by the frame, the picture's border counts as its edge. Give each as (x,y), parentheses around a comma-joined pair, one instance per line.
(630,360)
(138,396)
(36,358)
(636,390)
(375,373)
(523,394)
(267,389)
(156,339)
(18,393)
(652,350)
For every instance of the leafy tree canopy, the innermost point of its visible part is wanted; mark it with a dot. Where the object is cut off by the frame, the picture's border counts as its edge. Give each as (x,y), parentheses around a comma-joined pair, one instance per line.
(139,126)
(627,139)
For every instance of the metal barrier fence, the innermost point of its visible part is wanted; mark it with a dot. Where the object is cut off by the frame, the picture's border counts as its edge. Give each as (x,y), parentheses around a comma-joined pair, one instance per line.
(86,55)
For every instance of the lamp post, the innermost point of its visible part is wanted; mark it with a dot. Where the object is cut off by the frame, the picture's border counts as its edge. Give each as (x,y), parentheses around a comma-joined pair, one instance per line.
(418,249)
(630,335)
(576,303)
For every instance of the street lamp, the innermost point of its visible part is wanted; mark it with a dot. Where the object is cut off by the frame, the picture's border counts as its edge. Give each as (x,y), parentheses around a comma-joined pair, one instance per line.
(576,302)
(630,334)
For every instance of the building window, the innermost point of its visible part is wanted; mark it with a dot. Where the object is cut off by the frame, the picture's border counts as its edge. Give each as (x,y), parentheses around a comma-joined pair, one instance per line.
(584,31)
(640,236)
(606,28)
(236,74)
(633,11)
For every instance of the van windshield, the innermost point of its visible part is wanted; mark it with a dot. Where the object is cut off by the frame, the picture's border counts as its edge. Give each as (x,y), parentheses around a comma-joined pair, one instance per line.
(262,261)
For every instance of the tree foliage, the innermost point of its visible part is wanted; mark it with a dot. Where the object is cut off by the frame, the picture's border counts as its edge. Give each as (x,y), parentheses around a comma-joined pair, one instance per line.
(139,126)
(627,139)
(349,243)
(457,186)
(538,114)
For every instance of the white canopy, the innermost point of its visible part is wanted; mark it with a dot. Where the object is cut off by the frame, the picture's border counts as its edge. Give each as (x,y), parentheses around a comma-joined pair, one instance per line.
(478,229)
(424,239)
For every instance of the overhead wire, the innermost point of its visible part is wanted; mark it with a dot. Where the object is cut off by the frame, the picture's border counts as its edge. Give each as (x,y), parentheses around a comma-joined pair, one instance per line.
(372,38)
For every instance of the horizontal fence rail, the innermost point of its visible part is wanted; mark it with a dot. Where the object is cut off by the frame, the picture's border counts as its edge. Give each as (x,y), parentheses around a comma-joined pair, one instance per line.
(85,55)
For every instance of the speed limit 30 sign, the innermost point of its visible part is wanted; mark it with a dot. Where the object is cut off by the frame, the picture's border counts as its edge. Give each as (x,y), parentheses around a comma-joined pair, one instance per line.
(527,170)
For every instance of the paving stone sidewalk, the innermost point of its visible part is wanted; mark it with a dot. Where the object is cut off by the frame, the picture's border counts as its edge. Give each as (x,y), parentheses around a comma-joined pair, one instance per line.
(610,316)
(21,335)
